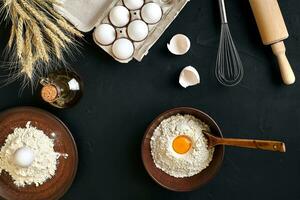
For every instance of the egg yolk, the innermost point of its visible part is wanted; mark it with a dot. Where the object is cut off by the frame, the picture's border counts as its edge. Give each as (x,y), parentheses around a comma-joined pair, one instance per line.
(182,144)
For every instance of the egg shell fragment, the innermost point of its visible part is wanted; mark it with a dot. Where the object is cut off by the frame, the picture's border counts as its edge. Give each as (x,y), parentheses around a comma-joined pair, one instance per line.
(189,76)
(179,44)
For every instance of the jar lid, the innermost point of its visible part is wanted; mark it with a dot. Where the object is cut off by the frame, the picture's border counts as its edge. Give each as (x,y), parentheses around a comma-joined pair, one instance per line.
(49,93)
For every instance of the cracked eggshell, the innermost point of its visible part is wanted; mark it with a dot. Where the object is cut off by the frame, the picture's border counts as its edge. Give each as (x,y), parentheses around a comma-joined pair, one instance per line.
(189,76)
(179,44)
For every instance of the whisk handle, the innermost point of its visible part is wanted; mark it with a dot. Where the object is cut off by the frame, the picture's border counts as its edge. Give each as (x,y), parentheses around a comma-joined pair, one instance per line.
(223,12)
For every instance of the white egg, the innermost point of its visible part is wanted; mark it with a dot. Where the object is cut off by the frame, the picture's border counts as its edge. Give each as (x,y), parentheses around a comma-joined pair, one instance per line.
(119,16)
(137,30)
(123,48)
(105,34)
(133,4)
(151,13)
(23,157)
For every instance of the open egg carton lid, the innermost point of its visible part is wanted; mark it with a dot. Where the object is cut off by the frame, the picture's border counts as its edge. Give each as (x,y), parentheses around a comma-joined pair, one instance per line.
(86,15)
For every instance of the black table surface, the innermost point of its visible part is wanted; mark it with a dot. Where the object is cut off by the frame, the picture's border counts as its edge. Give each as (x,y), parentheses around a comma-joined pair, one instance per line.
(120,100)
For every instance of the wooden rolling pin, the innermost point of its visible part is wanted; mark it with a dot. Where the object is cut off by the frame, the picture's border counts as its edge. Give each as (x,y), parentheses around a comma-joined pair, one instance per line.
(273,31)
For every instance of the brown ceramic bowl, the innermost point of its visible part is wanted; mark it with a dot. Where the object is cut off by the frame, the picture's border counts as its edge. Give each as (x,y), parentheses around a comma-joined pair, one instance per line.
(182,184)
(55,187)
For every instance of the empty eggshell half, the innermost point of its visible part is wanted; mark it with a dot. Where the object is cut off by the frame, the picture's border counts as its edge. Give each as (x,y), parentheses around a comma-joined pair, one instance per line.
(123,48)
(179,44)
(105,34)
(137,30)
(189,76)
(119,16)
(133,4)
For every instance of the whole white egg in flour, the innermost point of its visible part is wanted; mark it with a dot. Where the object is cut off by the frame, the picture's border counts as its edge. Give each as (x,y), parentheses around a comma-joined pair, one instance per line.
(123,48)
(23,157)
(119,16)
(151,13)
(137,30)
(105,34)
(133,4)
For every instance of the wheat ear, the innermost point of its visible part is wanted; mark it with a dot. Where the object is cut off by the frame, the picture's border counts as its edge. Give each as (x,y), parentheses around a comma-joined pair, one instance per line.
(19,38)
(59,19)
(43,18)
(65,25)
(39,33)
(57,43)
(12,35)
(38,41)
(13,15)
(27,64)
(17,7)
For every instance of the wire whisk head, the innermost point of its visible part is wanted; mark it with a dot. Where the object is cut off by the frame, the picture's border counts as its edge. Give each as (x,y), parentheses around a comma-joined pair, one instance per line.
(229,68)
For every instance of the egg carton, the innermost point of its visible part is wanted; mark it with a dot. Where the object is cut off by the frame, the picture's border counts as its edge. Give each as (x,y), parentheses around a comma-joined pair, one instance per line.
(86,15)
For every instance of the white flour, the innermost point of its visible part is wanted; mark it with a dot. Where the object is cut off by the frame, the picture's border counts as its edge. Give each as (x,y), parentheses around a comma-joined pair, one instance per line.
(44,164)
(181,165)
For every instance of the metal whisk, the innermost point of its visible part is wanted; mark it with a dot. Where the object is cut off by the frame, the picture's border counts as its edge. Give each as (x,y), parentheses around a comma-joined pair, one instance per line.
(229,68)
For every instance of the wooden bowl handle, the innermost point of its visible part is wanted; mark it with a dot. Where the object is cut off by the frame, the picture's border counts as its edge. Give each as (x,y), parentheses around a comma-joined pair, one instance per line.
(286,70)
(255,144)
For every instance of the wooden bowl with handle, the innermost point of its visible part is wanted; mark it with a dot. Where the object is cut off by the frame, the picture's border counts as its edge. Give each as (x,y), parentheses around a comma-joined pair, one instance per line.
(189,183)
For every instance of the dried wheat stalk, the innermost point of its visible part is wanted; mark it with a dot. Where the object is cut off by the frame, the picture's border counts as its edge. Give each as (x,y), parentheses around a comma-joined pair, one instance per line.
(38,34)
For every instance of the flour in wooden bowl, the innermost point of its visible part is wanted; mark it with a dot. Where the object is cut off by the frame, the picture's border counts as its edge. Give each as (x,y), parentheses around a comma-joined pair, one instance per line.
(45,160)
(179,148)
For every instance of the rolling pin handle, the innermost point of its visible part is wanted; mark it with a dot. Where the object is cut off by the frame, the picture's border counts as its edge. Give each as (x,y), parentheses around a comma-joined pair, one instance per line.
(286,70)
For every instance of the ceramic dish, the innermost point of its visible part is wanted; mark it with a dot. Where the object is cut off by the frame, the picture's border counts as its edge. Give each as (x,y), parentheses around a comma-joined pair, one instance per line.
(182,184)
(56,187)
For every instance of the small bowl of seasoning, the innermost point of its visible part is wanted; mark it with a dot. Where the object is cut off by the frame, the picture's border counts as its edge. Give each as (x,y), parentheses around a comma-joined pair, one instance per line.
(175,152)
